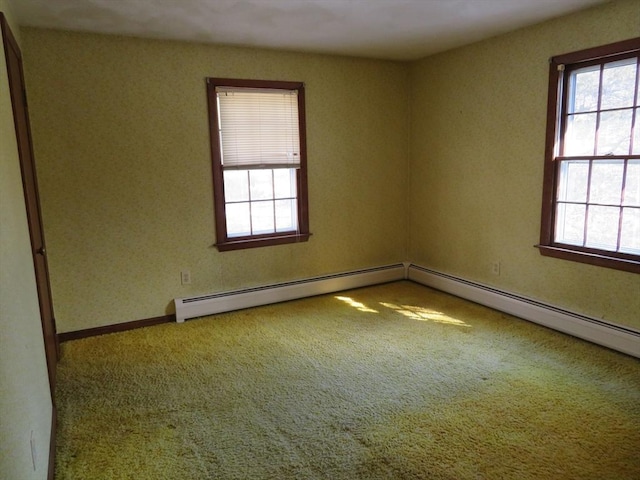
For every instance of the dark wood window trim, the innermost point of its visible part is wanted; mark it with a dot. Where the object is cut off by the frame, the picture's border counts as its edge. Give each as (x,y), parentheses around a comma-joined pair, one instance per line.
(223,241)
(547,245)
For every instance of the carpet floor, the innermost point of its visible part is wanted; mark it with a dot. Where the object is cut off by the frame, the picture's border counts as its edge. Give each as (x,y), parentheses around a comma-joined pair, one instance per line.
(395,381)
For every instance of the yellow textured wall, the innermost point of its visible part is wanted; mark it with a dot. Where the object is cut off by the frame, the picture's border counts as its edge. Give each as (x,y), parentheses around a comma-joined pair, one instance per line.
(25,402)
(121,136)
(478,118)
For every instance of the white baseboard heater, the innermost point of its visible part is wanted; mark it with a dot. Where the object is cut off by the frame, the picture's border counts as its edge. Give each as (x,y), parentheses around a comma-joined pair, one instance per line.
(622,339)
(202,305)
(616,337)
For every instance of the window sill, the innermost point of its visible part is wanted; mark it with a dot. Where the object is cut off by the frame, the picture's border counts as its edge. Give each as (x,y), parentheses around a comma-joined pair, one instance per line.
(600,260)
(243,243)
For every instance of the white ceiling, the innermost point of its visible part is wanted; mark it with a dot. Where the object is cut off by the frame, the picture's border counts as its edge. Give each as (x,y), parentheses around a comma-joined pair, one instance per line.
(386,29)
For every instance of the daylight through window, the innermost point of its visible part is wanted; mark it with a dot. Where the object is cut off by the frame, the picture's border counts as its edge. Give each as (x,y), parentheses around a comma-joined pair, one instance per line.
(259,162)
(592,174)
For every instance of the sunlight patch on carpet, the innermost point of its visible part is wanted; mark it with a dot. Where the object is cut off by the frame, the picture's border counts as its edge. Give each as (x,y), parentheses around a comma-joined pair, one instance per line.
(424,314)
(357,305)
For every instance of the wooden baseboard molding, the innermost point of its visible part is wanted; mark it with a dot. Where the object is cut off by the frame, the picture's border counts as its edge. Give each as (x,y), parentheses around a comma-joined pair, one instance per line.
(118,327)
(51,473)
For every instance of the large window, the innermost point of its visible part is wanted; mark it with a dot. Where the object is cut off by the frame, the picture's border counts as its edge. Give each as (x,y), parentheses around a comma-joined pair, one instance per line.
(591,198)
(258,149)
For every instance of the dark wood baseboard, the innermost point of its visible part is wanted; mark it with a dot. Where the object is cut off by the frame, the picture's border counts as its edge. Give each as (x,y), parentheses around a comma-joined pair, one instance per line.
(51,473)
(118,327)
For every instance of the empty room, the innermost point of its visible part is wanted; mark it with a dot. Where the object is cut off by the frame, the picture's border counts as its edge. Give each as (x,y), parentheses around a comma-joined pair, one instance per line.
(320,239)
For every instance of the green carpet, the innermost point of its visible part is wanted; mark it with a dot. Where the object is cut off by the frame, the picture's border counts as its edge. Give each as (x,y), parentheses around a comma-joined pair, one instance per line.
(395,381)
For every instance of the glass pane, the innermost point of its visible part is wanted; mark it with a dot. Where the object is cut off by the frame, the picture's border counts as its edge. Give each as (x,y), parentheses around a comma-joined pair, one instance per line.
(262,217)
(284,183)
(261,182)
(636,134)
(574,176)
(584,89)
(580,135)
(614,133)
(632,185)
(618,84)
(570,224)
(630,234)
(606,182)
(602,227)
(236,185)
(238,219)
(286,215)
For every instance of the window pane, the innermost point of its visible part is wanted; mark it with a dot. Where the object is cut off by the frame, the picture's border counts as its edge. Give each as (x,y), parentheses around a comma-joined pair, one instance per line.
(572,185)
(570,224)
(614,132)
(584,89)
(286,215)
(284,183)
(262,217)
(238,219)
(632,185)
(602,227)
(580,136)
(630,234)
(261,182)
(618,83)
(236,185)
(606,182)
(636,135)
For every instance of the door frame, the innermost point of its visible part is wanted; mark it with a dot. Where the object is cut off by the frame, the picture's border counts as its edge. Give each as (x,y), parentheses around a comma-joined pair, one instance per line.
(17,90)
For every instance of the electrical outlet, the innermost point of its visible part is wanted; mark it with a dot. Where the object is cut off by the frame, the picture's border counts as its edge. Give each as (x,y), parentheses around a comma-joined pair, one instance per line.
(495,268)
(185,277)
(34,451)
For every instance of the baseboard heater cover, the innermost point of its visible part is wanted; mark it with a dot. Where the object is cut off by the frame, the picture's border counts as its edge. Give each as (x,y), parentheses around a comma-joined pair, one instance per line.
(202,305)
(616,337)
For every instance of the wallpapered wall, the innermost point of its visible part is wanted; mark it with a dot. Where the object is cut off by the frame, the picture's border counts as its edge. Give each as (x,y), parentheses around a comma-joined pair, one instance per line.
(122,144)
(478,118)
(25,401)
(121,139)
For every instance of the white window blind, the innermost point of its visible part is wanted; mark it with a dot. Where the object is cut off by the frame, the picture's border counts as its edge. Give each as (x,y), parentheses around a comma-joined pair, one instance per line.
(258,128)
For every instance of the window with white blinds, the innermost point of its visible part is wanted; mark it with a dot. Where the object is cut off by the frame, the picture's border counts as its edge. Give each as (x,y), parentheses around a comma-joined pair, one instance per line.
(259,162)
(258,128)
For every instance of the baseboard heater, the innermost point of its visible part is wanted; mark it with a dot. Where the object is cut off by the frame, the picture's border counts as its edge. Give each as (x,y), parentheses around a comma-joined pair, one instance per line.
(202,305)
(622,339)
(616,337)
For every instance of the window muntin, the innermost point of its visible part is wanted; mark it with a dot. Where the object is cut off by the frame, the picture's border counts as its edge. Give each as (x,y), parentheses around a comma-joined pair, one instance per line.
(259,162)
(591,209)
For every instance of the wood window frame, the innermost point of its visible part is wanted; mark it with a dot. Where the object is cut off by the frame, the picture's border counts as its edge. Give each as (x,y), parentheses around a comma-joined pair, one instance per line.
(223,241)
(556,107)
